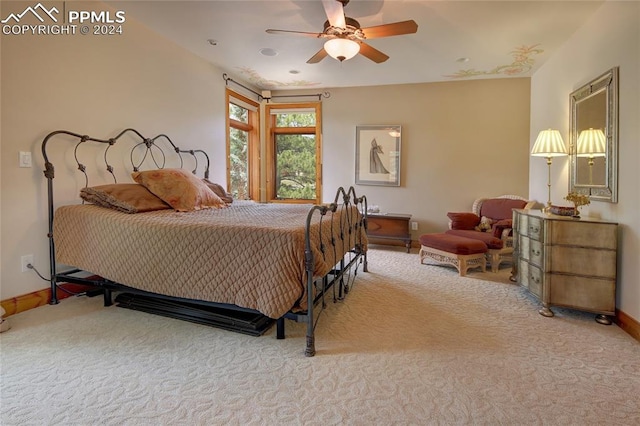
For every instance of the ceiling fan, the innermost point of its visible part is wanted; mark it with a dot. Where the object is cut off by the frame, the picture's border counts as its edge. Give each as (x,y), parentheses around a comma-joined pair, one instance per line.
(345,38)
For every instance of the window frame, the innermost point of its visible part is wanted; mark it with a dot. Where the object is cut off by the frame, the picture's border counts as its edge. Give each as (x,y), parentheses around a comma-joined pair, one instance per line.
(253,150)
(272,130)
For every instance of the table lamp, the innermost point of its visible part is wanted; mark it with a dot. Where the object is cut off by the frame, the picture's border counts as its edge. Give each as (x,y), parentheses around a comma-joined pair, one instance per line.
(549,144)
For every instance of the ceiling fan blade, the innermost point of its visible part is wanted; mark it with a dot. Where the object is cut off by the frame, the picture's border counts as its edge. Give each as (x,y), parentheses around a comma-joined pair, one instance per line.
(302,33)
(335,13)
(374,54)
(318,56)
(387,30)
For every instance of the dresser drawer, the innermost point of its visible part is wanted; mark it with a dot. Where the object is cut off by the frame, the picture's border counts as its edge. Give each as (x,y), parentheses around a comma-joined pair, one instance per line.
(535,229)
(582,261)
(524,247)
(597,235)
(530,277)
(535,278)
(536,252)
(523,273)
(590,294)
(521,223)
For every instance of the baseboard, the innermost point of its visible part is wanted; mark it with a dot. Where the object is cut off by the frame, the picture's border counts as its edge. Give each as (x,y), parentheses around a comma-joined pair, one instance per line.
(18,304)
(628,324)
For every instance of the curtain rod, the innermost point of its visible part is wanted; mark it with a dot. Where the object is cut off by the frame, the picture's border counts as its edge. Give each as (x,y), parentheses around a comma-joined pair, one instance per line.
(228,79)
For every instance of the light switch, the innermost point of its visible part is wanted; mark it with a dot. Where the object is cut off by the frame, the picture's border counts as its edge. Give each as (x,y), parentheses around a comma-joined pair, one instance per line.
(25,159)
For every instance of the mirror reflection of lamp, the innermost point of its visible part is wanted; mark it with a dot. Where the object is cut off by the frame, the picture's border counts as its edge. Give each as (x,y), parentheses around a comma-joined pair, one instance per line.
(549,144)
(591,144)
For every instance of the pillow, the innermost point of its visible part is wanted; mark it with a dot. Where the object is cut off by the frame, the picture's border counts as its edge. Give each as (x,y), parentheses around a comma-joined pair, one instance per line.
(219,190)
(463,220)
(501,225)
(124,197)
(179,188)
(500,208)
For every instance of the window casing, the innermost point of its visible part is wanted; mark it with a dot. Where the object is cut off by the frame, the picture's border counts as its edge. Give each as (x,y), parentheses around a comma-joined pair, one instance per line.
(294,151)
(243,147)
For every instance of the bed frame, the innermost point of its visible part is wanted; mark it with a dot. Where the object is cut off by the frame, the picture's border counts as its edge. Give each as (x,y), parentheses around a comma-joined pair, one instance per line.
(339,280)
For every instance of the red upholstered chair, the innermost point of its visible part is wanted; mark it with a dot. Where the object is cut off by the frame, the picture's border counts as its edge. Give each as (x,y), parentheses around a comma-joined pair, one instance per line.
(492,216)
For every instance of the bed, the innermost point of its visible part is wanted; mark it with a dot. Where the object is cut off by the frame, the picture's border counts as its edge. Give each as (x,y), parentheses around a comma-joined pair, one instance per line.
(238,264)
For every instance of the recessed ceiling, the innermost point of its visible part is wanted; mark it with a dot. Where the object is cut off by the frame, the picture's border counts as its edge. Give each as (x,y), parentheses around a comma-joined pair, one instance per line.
(455,39)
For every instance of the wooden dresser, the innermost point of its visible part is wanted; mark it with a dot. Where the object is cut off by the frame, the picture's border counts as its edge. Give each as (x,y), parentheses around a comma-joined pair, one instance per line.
(568,262)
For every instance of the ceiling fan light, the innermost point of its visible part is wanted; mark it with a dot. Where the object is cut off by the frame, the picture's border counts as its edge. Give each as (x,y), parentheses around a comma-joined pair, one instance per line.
(342,48)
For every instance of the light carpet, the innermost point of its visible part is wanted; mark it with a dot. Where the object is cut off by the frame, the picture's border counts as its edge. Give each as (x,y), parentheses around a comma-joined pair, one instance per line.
(412,344)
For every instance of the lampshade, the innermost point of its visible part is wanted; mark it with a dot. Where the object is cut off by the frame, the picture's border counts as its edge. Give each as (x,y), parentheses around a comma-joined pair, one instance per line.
(342,48)
(591,143)
(549,144)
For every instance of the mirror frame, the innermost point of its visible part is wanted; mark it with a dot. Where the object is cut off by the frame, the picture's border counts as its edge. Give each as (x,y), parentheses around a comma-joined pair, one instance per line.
(607,82)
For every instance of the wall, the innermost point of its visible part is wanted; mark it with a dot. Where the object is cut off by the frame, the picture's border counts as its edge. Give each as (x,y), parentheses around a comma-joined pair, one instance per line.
(460,141)
(96,85)
(611,37)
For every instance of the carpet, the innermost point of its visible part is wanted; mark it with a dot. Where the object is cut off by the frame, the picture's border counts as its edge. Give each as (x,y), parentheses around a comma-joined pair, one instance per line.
(411,344)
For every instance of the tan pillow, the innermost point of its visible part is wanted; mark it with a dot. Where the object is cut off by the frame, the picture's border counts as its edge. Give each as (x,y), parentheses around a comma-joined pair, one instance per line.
(219,190)
(179,188)
(124,197)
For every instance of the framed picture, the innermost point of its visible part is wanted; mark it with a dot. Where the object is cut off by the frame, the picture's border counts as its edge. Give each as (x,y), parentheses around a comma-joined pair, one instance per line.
(378,155)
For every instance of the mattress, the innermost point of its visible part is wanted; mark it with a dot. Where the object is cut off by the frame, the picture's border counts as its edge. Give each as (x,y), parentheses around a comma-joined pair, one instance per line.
(249,254)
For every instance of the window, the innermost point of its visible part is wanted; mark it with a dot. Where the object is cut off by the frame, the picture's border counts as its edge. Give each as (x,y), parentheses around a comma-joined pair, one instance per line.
(243,146)
(294,149)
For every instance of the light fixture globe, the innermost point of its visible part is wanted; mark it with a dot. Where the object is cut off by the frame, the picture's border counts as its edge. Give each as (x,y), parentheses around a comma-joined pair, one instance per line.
(342,48)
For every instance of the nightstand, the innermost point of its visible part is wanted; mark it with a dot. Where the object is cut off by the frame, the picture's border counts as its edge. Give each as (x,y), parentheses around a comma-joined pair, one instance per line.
(382,228)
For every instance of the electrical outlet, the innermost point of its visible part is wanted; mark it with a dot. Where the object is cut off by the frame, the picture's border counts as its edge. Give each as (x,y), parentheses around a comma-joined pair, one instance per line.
(414,226)
(26,260)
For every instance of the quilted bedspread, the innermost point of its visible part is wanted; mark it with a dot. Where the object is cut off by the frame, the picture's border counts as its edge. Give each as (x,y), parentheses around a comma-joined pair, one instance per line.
(249,254)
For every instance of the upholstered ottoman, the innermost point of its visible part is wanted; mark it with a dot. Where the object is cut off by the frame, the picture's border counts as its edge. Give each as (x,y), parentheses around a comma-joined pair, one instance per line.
(496,251)
(461,252)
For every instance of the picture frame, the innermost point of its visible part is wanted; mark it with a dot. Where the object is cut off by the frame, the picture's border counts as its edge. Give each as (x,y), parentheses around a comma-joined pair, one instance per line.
(378,154)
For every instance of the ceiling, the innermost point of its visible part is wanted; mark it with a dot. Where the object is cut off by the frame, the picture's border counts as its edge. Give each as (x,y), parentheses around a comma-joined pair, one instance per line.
(455,39)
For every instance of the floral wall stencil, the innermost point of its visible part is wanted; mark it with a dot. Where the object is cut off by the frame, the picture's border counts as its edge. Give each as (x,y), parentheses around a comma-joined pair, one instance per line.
(522,62)
(263,83)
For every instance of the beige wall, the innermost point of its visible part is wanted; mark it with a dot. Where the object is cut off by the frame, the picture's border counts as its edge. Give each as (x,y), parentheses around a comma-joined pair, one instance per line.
(96,85)
(610,38)
(460,141)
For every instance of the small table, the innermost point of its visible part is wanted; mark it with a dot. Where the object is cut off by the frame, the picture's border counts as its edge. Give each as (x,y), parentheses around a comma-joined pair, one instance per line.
(389,226)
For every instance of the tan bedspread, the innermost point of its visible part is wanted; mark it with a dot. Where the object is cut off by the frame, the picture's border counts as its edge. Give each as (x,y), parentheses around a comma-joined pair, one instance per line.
(249,254)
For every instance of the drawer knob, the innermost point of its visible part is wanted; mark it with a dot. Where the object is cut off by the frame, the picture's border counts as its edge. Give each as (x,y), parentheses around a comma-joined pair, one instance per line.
(535,280)
(535,252)
(534,229)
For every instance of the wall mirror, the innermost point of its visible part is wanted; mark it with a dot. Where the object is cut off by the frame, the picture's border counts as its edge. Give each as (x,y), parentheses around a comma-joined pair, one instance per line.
(593,149)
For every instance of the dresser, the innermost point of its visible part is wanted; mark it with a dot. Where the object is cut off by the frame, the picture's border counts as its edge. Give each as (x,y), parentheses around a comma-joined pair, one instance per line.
(382,228)
(568,262)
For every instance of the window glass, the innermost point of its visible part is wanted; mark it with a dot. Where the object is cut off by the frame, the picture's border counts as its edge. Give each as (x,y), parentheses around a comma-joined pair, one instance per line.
(239,164)
(300,119)
(295,166)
